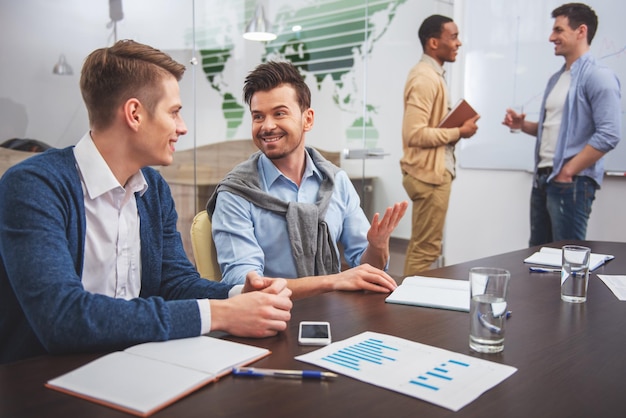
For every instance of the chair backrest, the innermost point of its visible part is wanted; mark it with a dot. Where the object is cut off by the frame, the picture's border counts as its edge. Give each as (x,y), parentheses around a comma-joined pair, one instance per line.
(204,248)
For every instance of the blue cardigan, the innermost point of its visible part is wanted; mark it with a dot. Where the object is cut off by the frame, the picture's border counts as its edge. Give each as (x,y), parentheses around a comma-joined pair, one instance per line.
(43,305)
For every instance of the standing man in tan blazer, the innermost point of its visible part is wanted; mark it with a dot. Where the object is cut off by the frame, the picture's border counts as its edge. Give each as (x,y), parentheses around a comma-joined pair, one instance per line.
(428,164)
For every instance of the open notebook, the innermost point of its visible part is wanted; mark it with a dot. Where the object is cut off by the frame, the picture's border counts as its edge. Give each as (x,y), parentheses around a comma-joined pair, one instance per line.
(147,377)
(552,257)
(432,292)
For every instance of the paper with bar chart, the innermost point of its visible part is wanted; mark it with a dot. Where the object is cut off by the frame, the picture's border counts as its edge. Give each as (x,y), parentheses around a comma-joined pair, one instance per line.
(435,375)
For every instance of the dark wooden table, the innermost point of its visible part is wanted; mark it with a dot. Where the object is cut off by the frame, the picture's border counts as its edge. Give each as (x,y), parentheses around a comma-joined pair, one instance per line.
(571,358)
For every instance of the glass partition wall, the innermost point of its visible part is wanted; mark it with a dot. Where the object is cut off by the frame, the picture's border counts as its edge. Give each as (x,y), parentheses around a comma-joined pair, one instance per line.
(354,55)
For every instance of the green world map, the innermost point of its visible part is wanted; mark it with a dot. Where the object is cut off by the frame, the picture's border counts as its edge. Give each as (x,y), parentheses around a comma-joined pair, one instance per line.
(332,37)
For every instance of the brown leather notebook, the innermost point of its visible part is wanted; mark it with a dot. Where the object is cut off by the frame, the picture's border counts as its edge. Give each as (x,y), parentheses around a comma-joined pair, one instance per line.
(461,112)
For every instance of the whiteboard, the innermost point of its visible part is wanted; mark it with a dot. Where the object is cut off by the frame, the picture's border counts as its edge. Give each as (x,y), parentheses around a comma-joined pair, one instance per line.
(508,60)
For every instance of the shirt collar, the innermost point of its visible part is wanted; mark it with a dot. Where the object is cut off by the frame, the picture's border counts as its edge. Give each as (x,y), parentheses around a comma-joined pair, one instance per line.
(270,173)
(579,62)
(433,62)
(97,176)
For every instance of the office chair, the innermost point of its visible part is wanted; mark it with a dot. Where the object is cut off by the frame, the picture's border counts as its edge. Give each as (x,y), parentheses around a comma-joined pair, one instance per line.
(203,247)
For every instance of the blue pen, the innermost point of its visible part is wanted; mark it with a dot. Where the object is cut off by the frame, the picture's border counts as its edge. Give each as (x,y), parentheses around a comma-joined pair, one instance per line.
(543,270)
(491,327)
(293,374)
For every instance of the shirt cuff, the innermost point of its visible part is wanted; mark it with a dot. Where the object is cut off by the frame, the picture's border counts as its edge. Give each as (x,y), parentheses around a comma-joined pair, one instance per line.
(205,309)
(205,316)
(235,290)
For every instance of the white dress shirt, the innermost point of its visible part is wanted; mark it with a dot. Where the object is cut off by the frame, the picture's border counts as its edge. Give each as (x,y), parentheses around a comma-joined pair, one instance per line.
(112,262)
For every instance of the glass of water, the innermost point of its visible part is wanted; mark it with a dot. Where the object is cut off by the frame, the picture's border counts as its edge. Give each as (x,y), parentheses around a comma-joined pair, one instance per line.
(517,122)
(575,273)
(488,308)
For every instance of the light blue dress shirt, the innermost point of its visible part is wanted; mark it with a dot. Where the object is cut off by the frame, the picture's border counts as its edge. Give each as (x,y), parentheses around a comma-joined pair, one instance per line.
(591,115)
(250,238)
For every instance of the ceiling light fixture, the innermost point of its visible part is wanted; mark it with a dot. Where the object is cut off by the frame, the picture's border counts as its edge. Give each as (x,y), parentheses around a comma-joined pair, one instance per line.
(258,27)
(62,67)
(116,13)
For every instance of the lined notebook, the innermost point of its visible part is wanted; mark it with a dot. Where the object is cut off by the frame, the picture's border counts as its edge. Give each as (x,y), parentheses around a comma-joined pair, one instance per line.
(432,292)
(148,377)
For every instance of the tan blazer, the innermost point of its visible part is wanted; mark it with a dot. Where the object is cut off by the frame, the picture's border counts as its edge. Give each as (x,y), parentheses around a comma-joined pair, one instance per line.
(425,105)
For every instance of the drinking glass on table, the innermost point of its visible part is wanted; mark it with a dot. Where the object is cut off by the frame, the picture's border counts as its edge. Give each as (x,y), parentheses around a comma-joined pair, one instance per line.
(575,273)
(488,308)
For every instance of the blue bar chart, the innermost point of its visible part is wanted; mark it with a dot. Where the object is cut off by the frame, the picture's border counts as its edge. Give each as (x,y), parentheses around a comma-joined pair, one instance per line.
(371,350)
(442,377)
(439,375)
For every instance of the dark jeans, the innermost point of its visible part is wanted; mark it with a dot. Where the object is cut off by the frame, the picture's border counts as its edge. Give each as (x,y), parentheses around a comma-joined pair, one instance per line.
(560,211)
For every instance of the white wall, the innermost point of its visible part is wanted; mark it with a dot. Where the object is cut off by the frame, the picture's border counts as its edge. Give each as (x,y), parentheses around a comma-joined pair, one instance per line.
(488,209)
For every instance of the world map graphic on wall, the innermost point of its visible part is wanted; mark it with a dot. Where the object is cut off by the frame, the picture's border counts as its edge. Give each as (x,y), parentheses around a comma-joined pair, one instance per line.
(323,39)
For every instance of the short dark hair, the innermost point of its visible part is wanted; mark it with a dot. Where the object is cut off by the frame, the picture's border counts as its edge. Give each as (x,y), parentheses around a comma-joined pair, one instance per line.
(110,76)
(579,14)
(272,74)
(432,27)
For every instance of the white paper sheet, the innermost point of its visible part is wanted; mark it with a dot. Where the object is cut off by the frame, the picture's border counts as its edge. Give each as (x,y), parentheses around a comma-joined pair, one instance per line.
(616,283)
(438,376)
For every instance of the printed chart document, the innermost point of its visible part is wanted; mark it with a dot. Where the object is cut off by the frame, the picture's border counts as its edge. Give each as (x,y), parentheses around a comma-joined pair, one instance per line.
(438,376)
(548,256)
(461,112)
(616,283)
(147,377)
(432,292)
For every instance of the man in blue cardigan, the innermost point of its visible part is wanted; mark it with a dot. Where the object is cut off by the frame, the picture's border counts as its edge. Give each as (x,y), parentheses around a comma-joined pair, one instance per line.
(90,258)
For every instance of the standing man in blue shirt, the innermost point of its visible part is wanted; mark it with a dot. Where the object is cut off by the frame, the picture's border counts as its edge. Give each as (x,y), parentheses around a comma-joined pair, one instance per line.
(579,122)
(281,213)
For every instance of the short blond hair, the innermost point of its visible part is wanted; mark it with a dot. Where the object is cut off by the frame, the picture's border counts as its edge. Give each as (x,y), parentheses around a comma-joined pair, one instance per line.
(111,76)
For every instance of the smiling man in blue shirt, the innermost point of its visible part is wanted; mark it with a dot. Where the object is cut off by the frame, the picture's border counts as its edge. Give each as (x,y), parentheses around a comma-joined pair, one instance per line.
(580,121)
(281,213)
